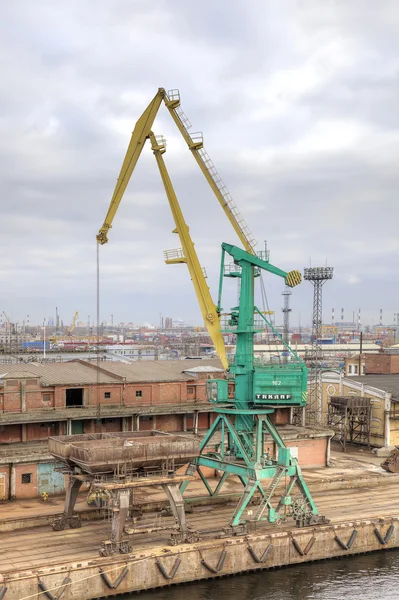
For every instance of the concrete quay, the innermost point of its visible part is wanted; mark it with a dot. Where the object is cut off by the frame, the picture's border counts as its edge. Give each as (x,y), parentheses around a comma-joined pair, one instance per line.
(40,562)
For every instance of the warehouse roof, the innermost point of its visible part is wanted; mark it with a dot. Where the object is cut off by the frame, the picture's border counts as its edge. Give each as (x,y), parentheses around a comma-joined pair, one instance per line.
(161,370)
(63,373)
(387,383)
(80,372)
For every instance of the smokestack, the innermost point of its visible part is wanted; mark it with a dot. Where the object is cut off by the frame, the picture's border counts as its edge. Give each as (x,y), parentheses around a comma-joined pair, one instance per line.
(380,317)
(342,316)
(333,317)
(358,320)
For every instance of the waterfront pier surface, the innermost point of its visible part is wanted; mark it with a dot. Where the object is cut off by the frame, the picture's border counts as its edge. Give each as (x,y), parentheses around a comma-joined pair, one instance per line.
(36,562)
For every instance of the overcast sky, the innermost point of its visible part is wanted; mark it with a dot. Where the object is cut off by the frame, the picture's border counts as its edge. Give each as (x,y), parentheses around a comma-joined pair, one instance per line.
(298,103)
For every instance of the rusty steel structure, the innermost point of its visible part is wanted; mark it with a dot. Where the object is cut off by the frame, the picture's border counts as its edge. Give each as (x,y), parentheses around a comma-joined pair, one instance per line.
(317,277)
(116,464)
(350,419)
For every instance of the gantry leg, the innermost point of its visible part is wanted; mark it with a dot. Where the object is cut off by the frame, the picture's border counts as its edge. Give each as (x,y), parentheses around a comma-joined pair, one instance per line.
(68,517)
(120,512)
(176,504)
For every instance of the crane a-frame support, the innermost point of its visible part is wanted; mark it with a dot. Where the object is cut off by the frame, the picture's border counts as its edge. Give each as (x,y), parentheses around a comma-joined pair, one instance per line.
(236,442)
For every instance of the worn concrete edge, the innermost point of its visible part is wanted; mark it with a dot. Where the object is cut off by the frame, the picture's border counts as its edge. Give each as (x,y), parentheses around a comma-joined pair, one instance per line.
(196,561)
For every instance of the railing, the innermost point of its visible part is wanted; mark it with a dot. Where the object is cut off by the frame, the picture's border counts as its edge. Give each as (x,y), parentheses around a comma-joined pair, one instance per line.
(174,254)
(144,409)
(197,141)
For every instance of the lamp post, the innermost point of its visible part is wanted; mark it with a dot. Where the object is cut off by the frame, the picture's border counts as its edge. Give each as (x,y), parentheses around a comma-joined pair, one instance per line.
(44,339)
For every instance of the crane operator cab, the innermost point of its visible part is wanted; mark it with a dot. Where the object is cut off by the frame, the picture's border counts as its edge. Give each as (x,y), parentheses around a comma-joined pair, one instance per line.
(274,385)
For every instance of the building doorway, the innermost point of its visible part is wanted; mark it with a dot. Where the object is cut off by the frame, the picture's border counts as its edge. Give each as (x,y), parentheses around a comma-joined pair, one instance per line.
(74,397)
(77,427)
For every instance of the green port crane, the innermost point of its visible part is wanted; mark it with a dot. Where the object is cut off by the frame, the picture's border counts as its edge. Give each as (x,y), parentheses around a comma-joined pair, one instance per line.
(242,423)
(235,444)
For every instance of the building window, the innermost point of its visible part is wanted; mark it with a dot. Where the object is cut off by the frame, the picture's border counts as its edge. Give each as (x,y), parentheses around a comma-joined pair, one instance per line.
(190,389)
(26,478)
(107,394)
(139,393)
(145,418)
(46,397)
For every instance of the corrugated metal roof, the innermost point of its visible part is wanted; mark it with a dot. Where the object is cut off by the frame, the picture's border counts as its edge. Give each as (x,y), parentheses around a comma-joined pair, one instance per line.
(204,369)
(79,372)
(387,383)
(63,373)
(159,370)
(19,374)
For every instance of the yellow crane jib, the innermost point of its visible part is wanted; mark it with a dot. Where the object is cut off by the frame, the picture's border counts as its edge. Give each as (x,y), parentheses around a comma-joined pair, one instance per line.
(188,255)
(141,132)
(195,144)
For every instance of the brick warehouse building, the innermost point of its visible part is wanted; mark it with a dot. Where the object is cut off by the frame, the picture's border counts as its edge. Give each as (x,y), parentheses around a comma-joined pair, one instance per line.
(38,400)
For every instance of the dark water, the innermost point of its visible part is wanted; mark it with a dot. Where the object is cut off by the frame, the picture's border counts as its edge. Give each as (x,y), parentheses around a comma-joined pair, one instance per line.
(367,577)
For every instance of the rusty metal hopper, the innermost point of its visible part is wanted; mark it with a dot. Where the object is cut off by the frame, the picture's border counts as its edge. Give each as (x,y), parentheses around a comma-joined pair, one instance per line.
(102,453)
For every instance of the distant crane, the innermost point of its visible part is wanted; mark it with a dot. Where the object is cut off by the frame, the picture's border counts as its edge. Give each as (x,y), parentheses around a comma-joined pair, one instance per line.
(73,324)
(11,326)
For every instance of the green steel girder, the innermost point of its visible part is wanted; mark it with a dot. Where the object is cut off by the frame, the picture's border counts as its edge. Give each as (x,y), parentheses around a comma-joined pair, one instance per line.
(244,454)
(242,470)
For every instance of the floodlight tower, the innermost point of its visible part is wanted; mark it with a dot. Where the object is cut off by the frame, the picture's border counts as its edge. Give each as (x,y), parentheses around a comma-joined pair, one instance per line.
(286,312)
(317,277)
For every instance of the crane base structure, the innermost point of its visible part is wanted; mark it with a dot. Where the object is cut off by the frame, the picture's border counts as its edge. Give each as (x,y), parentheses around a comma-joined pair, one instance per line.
(235,444)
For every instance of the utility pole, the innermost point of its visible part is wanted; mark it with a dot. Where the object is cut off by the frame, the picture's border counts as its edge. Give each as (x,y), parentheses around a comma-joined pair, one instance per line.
(317,277)
(44,339)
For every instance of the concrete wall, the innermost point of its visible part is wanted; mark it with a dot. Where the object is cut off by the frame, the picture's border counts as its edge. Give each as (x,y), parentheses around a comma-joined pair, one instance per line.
(188,562)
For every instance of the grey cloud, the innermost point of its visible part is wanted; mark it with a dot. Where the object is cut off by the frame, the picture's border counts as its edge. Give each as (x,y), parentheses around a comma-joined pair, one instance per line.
(298,105)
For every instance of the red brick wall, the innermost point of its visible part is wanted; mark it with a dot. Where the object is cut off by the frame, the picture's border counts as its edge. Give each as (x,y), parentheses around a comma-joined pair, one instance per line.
(146,425)
(155,394)
(311,453)
(382,364)
(169,422)
(281,416)
(12,401)
(34,400)
(170,393)
(90,426)
(25,490)
(146,390)
(203,421)
(40,431)
(109,425)
(9,434)
(94,395)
